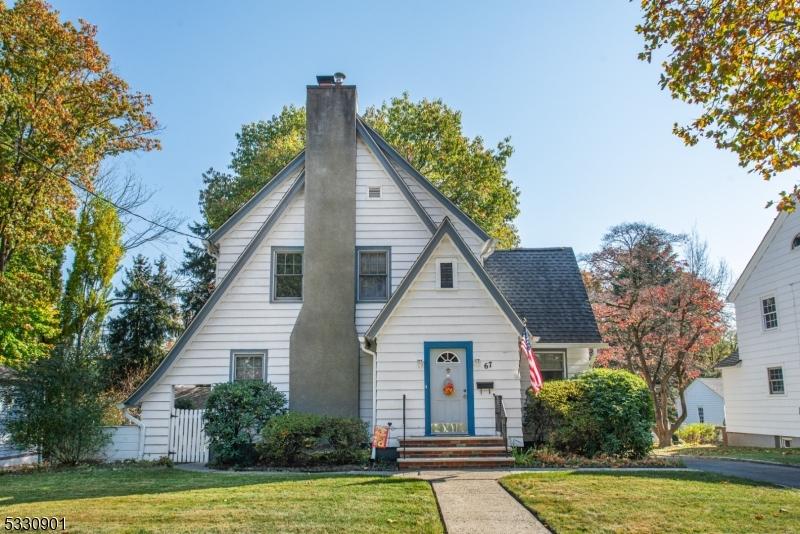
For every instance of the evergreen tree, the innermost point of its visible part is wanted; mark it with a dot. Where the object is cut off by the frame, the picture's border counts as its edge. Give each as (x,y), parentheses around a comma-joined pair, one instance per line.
(138,337)
(199,269)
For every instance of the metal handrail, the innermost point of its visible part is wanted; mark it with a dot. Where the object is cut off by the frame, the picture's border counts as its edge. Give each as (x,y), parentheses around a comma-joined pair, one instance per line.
(404,426)
(501,419)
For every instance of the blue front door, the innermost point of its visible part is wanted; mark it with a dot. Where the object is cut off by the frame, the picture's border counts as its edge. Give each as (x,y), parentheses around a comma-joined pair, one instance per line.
(448,388)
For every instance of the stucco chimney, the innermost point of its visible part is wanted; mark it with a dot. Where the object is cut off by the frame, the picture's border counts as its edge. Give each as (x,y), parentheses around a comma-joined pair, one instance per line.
(324,348)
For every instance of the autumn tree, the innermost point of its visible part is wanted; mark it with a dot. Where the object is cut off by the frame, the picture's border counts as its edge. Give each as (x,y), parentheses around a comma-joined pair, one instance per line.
(62,111)
(659,312)
(97,252)
(428,133)
(149,319)
(738,62)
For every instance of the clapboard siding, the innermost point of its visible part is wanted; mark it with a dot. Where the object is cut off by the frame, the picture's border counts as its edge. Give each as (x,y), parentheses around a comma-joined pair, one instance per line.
(427,314)
(123,443)
(699,395)
(749,408)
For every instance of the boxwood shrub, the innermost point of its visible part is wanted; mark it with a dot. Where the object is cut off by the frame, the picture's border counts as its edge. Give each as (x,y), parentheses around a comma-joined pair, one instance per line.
(235,414)
(602,411)
(301,439)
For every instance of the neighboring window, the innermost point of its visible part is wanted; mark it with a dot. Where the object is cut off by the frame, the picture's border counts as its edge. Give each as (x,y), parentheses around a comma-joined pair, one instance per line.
(786,443)
(287,277)
(700,415)
(248,366)
(374,192)
(775,377)
(373,275)
(769,312)
(796,242)
(447,357)
(552,365)
(446,274)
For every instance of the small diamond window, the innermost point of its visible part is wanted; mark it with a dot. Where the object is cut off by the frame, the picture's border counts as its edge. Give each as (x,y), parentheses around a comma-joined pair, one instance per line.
(447,357)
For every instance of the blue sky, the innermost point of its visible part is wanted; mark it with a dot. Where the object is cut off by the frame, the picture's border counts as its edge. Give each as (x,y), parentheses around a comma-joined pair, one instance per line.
(590,126)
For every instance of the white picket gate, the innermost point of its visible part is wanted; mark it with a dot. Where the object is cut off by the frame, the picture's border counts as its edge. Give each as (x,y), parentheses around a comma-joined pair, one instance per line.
(187,440)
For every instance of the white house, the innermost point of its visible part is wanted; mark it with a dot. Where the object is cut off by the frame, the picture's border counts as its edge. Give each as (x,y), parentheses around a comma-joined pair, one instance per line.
(704,402)
(352,284)
(762,381)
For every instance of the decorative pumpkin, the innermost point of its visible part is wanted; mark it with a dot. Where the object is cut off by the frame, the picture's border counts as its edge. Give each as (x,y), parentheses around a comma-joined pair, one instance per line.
(449,388)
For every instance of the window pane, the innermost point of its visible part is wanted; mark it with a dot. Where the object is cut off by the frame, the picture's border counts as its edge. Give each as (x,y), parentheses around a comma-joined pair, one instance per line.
(769,312)
(288,275)
(373,277)
(551,364)
(775,378)
(446,275)
(249,367)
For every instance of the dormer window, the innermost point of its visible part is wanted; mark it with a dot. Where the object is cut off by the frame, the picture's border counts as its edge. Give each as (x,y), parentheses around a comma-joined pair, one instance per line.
(374,192)
(796,242)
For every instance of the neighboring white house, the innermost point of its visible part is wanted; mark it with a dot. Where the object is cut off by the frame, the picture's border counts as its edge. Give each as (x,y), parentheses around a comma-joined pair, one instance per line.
(392,295)
(704,402)
(762,381)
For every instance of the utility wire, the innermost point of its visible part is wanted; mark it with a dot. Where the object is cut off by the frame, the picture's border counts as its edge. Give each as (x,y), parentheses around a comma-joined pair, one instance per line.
(95,195)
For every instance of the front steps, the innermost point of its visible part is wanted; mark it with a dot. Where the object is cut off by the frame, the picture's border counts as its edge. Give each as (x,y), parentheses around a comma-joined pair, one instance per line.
(453,452)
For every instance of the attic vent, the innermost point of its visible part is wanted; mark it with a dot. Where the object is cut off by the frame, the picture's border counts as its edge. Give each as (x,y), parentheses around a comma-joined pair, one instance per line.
(374,192)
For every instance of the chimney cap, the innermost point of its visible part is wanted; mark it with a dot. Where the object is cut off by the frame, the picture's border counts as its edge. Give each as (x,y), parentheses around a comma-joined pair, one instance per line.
(331,79)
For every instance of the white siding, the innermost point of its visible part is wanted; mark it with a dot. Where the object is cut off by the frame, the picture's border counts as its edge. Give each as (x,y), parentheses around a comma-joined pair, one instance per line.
(749,406)
(698,395)
(467,313)
(244,318)
(387,222)
(237,238)
(123,444)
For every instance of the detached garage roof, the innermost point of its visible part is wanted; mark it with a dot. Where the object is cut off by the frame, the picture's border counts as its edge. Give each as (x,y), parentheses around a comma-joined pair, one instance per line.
(544,286)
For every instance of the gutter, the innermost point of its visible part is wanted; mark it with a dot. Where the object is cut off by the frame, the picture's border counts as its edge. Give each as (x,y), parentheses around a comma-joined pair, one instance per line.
(142,427)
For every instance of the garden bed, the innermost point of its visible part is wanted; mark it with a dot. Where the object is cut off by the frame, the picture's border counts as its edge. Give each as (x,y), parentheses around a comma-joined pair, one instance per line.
(545,457)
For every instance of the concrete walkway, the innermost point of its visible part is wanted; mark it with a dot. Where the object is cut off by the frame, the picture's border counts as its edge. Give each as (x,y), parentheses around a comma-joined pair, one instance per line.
(474,502)
(761,472)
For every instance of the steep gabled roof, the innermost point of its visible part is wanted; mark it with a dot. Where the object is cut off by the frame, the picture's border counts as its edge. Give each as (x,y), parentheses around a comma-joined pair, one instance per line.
(545,287)
(201,316)
(753,263)
(446,228)
(290,170)
(423,182)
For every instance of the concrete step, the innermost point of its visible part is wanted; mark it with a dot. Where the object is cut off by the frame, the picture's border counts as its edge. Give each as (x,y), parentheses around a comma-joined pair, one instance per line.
(485,462)
(453,441)
(451,452)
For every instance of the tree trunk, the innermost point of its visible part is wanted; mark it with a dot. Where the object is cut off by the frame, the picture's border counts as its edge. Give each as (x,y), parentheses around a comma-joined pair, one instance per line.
(663,429)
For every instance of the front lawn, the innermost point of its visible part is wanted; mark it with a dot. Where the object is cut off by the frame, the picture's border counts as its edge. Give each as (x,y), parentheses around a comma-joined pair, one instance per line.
(655,501)
(158,499)
(783,456)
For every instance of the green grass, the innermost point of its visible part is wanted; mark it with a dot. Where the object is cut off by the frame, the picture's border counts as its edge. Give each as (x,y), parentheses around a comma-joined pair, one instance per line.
(783,456)
(158,499)
(655,501)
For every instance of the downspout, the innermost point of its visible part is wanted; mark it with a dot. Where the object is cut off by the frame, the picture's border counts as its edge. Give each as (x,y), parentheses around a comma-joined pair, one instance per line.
(374,381)
(142,428)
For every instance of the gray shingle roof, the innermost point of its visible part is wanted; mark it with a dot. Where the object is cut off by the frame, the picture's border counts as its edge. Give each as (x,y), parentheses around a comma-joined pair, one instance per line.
(730,361)
(544,286)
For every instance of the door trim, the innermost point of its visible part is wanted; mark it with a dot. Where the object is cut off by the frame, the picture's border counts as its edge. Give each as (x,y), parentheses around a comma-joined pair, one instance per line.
(467,347)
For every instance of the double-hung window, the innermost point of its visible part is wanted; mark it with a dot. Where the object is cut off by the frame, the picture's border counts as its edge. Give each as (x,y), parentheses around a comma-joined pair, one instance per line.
(373,268)
(552,365)
(287,274)
(248,365)
(769,313)
(775,379)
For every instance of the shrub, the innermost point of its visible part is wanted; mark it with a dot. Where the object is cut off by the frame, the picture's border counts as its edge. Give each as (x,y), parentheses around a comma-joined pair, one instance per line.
(697,433)
(57,407)
(301,439)
(235,414)
(602,411)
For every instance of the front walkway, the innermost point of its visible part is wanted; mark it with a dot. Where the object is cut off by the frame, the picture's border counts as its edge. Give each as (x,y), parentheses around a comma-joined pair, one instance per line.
(473,502)
(781,475)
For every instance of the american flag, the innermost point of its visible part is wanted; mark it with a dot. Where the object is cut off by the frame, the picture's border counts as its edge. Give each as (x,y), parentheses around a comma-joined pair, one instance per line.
(533,362)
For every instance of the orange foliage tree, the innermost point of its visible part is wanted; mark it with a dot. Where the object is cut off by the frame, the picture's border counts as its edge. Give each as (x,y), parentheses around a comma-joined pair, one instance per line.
(659,314)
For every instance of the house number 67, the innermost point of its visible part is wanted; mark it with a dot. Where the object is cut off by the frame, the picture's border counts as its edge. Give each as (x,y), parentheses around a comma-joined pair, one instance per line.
(487,365)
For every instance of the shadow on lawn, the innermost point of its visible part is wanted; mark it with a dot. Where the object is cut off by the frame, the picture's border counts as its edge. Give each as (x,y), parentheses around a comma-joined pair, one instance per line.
(103,482)
(693,476)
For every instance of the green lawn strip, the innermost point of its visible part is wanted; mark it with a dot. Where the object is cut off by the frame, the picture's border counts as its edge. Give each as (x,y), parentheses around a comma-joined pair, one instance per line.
(655,501)
(783,456)
(134,499)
